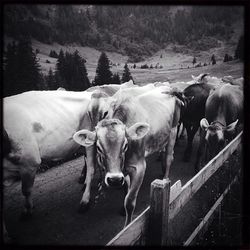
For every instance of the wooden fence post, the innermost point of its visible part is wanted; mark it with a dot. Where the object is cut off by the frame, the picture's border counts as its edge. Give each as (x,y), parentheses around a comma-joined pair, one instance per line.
(158,214)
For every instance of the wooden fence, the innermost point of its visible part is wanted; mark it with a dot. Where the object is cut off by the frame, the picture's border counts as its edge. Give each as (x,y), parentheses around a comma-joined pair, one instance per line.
(151,227)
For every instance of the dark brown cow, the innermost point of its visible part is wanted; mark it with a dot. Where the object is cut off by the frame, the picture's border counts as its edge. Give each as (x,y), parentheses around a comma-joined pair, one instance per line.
(224,110)
(194,110)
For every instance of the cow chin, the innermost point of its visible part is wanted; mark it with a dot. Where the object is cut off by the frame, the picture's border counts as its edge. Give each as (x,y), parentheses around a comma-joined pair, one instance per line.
(114,180)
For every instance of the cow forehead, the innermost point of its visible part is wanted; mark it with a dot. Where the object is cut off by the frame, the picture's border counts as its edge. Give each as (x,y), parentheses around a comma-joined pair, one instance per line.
(111,131)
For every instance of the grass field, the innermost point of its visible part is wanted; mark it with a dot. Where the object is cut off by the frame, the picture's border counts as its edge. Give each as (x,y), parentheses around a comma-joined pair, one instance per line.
(175,66)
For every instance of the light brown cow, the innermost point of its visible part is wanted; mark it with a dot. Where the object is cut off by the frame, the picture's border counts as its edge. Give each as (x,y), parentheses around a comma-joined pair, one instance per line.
(134,127)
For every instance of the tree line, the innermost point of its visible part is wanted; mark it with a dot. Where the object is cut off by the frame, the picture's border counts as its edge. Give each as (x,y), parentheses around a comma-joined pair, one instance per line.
(145,29)
(22,71)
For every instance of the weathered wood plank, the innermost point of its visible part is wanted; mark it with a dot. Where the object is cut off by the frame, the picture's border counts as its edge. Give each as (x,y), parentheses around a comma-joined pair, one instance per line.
(175,190)
(132,232)
(158,213)
(193,185)
(209,216)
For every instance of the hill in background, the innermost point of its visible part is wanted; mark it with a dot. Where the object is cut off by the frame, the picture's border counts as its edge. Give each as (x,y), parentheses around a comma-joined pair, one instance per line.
(135,31)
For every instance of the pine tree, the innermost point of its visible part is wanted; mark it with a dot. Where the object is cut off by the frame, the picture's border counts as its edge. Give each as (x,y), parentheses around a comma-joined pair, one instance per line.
(29,69)
(26,75)
(51,81)
(60,70)
(71,72)
(103,73)
(226,58)
(10,68)
(194,61)
(80,79)
(126,76)
(116,79)
(213,59)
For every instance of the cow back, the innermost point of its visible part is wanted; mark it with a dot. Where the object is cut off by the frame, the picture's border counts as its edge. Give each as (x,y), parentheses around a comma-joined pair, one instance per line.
(225,104)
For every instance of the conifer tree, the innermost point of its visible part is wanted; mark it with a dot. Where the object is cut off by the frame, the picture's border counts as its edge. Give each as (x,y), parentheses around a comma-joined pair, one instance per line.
(194,61)
(103,73)
(23,61)
(80,79)
(126,76)
(10,68)
(213,59)
(116,79)
(51,80)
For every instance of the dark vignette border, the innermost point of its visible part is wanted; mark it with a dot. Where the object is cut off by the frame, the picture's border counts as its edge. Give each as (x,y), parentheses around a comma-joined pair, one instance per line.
(246,138)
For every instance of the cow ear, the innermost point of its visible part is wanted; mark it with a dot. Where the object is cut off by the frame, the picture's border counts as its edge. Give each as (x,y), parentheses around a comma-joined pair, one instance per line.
(231,127)
(137,131)
(85,137)
(204,124)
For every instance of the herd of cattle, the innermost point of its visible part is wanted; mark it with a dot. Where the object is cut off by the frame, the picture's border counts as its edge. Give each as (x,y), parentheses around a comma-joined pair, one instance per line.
(119,126)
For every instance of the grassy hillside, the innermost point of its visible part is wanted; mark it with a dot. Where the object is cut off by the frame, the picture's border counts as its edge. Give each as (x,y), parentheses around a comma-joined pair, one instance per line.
(174,65)
(136,31)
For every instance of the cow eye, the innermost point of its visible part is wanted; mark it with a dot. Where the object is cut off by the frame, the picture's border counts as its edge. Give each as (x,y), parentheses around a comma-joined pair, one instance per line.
(104,114)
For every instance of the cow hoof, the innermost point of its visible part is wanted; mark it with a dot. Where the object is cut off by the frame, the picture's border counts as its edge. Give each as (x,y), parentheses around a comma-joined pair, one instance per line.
(122,211)
(25,216)
(83,208)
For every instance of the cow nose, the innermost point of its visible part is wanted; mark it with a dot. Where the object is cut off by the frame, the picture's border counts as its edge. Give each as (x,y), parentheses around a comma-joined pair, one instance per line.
(114,180)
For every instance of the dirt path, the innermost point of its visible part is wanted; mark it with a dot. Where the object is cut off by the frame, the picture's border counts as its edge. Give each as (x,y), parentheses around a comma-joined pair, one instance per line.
(56,198)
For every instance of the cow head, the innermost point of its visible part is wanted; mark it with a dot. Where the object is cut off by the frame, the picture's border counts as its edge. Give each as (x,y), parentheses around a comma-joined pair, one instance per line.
(111,137)
(216,134)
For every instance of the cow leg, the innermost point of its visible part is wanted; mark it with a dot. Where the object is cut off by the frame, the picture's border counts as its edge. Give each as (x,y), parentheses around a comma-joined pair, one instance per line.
(200,151)
(136,174)
(6,238)
(178,130)
(27,178)
(190,135)
(170,150)
(90,161)
(82,177)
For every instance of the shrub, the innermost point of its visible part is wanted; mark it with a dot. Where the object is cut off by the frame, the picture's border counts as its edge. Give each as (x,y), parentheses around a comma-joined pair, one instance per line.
(53,54)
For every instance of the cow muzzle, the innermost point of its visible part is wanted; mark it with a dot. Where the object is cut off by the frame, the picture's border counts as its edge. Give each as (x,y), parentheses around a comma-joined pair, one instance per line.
(114,179)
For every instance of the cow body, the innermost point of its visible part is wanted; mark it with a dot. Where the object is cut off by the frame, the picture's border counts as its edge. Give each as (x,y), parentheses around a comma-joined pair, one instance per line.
(38,126)
(224,110)
(134,127)
(193,112)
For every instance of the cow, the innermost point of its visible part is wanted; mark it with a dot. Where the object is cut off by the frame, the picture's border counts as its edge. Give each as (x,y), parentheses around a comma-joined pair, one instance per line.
(223,114)
(97,110)
(134,128)
(193,111)
(38,126)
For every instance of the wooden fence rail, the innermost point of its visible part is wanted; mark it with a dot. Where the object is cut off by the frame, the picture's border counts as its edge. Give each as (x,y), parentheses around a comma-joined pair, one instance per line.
(166,202)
